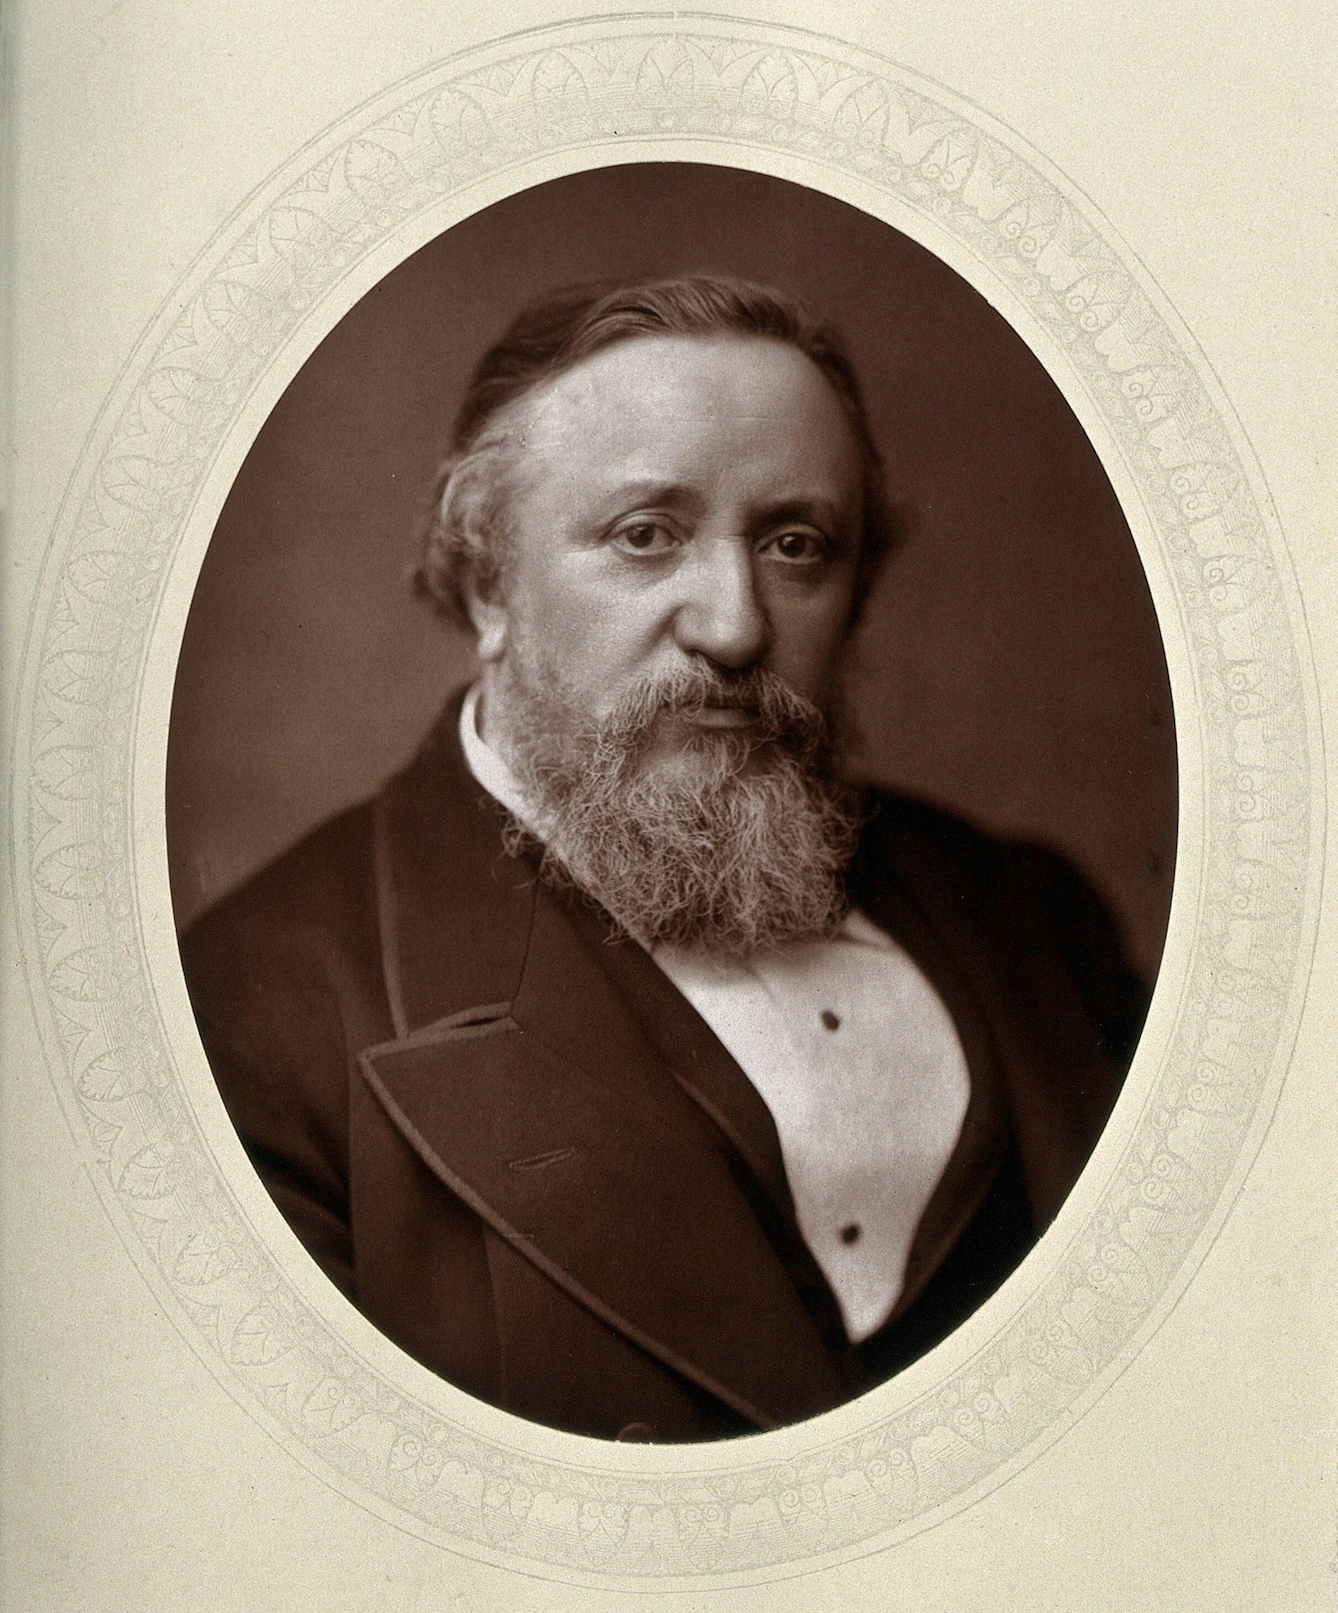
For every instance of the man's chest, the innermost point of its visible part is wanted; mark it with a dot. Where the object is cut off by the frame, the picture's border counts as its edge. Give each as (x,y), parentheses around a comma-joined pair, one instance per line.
(862,1070)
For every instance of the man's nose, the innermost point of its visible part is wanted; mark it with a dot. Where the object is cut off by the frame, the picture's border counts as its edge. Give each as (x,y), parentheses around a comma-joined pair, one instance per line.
(722,616)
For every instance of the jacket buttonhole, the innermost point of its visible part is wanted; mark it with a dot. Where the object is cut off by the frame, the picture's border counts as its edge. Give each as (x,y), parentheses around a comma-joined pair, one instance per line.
(536,1162)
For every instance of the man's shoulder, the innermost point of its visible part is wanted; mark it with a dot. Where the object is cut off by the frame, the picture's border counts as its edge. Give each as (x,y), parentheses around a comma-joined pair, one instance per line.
(266,962)
(1020,904)
(309,923)
(321,882)
(326,882)
(991,874)
(895,822)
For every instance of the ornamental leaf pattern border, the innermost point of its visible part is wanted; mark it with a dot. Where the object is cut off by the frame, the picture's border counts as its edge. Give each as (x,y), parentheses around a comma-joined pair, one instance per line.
(598,84)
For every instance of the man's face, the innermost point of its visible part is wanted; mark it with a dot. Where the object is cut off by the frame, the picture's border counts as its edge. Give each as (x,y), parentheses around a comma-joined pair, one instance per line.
(676,501)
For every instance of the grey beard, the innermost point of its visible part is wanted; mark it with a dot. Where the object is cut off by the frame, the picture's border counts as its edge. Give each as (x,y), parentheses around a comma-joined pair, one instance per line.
(738,852)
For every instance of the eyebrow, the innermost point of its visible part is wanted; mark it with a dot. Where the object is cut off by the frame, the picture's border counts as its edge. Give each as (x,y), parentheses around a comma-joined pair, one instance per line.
(796,507)
(819,510)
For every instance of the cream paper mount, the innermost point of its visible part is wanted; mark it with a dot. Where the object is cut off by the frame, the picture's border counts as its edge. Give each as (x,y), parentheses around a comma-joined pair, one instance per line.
(89,863)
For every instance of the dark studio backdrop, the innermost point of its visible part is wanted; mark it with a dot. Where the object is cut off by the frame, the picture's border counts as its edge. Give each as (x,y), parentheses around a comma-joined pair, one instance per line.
(1010,663)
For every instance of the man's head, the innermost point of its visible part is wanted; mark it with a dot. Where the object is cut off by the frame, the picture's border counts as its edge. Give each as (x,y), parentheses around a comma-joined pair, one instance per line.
(661,511)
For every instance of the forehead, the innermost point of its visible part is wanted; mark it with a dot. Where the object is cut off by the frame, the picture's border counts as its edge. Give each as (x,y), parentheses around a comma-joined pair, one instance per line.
(670,405)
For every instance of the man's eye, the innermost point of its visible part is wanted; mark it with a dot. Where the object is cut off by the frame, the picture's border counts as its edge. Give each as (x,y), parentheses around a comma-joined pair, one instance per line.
(798,548)
(645,537)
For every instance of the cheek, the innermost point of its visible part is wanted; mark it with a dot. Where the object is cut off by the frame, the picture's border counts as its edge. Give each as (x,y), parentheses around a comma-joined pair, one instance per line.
(808,637)
(592,635)
(548,607)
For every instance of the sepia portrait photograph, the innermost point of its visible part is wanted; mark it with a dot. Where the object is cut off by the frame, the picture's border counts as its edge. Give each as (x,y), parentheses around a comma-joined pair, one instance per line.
(666,930)
(732,971)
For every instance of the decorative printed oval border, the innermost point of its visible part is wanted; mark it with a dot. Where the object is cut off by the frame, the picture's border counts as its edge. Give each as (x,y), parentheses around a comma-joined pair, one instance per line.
(771,91)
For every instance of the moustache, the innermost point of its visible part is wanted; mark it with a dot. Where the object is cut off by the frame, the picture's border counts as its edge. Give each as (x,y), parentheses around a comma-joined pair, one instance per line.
(778,715)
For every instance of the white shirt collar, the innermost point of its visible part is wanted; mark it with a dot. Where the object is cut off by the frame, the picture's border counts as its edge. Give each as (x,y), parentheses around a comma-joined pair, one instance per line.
(488,767)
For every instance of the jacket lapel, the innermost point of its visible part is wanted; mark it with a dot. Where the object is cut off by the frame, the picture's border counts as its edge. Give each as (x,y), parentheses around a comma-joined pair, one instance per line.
(697,1058)
(454,909)
(708,1074)
(524,1080)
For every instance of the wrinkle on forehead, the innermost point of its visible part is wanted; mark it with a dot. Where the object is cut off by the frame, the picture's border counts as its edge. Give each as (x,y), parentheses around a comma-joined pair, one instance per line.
(693,408)
(739,391)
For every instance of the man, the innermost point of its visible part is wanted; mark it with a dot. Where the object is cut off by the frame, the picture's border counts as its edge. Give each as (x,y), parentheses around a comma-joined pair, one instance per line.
(621,1061)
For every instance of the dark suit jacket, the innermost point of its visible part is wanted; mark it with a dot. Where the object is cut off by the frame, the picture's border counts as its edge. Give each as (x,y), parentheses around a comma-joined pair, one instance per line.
(521,1153)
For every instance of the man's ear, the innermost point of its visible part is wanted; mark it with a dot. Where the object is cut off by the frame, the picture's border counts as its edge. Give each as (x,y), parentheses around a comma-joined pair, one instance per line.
(487,614)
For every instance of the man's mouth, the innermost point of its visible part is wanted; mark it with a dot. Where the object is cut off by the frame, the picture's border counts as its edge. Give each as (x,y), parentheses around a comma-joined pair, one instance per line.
(681,730)
(683,714)
(714,714)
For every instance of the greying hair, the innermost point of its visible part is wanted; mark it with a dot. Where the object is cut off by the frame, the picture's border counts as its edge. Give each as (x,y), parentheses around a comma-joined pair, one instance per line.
(464,538)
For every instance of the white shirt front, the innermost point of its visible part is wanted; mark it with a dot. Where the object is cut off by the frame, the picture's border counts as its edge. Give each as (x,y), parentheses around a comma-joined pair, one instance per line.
(855,1056)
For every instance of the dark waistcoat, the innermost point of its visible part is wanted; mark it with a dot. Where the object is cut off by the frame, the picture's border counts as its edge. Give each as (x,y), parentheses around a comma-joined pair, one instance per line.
(523,1155)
